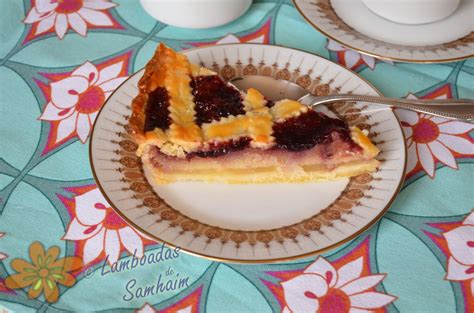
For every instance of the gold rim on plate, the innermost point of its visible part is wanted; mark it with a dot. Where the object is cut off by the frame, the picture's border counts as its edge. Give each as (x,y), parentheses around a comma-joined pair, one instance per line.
(249,261)
(373,54)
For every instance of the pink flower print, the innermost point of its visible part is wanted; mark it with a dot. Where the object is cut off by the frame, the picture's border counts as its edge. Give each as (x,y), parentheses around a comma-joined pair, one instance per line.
(101,229)
(76,99)
(60,15)
(230,38)
(352,59)
(146,308)
(323,288)
(461,248)
(261,35)
(431,139)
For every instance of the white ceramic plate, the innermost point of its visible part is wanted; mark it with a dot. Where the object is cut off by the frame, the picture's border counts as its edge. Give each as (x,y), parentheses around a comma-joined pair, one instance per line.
(252,223)
(353,25)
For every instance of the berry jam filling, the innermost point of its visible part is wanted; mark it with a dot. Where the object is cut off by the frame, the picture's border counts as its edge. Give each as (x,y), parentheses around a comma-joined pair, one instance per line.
(269,103)
(307,130)
(214,99)
(221,148)
(157,114)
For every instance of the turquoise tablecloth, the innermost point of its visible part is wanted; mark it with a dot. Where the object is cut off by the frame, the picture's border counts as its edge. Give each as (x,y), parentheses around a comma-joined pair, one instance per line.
(55,235)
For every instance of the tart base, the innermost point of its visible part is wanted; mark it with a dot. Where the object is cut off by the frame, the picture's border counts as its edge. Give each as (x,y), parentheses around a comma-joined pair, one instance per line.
(191,125)
(260,175)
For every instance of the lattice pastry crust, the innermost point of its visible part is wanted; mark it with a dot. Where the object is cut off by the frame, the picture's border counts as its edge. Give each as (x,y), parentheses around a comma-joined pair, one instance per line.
(174,72)
(190,125)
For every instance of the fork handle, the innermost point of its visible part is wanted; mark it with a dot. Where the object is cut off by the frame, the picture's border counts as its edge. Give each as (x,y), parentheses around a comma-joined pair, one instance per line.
(458,109)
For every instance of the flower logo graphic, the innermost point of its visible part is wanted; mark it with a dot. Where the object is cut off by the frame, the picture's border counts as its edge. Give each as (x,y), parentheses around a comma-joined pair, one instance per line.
(60,15)
(44,273)
(323,288)
(461,248)
(431,139)
(101,228)
(75,98)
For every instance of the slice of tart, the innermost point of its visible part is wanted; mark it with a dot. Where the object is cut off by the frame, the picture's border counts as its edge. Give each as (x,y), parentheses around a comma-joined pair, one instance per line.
(192,126)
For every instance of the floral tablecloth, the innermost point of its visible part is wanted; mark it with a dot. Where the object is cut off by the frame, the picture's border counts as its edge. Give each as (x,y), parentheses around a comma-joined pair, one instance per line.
(62,248)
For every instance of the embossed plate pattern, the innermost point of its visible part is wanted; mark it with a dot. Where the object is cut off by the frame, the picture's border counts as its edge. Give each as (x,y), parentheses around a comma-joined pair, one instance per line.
(252,223)
(323,16)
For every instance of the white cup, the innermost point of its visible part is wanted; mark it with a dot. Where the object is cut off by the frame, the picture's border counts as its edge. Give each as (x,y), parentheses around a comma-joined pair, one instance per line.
(413,11)
(196,13)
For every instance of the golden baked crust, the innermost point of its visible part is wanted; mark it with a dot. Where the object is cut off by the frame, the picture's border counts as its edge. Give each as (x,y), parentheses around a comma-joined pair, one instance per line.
(261,175)
(263,166)
(165,151)
(174,72)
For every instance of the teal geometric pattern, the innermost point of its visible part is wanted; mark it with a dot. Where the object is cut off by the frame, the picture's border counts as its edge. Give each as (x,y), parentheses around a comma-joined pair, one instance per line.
(41,177)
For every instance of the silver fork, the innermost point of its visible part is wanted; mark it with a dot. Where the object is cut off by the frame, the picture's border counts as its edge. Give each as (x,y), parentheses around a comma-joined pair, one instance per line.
(276,89)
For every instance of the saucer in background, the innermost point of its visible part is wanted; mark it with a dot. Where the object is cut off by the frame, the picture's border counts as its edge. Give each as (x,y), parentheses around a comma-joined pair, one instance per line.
(352,24)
